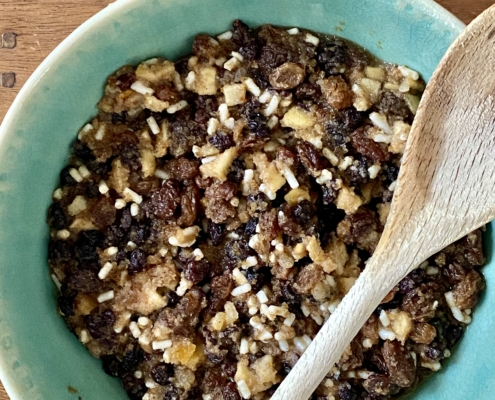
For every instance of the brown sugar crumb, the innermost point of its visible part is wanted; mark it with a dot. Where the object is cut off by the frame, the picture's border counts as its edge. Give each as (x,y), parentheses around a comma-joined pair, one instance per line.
(215,212)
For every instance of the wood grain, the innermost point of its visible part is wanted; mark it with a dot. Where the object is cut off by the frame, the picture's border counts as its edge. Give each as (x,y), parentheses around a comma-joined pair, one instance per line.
(444,192)
(42,24)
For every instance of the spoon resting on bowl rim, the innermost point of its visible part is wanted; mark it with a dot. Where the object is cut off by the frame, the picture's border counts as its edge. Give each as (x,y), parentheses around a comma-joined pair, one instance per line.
(445,190)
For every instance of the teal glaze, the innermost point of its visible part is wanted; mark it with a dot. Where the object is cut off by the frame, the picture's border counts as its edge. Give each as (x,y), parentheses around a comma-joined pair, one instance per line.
(39,358)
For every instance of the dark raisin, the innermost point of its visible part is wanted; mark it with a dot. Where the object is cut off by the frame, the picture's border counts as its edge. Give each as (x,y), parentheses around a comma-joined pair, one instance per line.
(165,200)
(161,373)
(56,216)
(222,141)
(65,177)
(453,334)
(229,392)
(240,34)
(257,76)
(235,252)
(86,252)
(103,213)
(454,273)
(111,365)
(434,351)
(392,173)
(82,151)
(139,233)
(66,305)
(59,251)
(92,190)
(390,104)
(357,173)
(288,293)
(258,278)
(119,118)
(173,299)
(131,359)
(125,219)
(380,384)
(171,394)
(137,261)
(304,211)
(215,233)
(406,285)
(250,228)
(100,325)
(182,168)
(348,392)
(287,221)
(329,194)
(129,154)
(135,388)
(332,56)
(236,172)
(272,56)
(84,281)
(220,287)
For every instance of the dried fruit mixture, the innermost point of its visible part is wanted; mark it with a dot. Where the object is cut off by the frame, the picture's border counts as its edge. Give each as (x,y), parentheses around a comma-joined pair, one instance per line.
(216,211)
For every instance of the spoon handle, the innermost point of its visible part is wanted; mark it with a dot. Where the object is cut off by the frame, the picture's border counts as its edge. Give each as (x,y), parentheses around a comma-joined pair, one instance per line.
(322,353)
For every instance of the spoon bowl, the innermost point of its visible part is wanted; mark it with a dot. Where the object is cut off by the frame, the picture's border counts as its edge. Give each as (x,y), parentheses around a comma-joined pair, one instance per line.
(444,191)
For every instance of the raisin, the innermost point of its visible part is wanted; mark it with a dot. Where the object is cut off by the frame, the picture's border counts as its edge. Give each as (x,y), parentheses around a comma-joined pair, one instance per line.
(229,392)
(287,221)
(189,205)
(103,213)
(400,364)
(257,76)
(221,191)
(257,124)
(85,248)
(242,37)
(454,273)
(332,56)
(167,92)
(357,173)
(220,289)
(139,233)
(111,365)
(392,173)
(119,118)
(390,104)
(205,107)
(420,301)
(56,217)
(135,388)
(423,333)
(66,305)
(100,325)
(454,334)
(235,252)
(182,168)
(310,157)
(272,56)
(377,152)
(165,200)
(84,281)
(222,141)
(287,76)
(215,233)
(467,291)
(162,373)
(137,261)
(304,211)
(380,384)
(205,47)
(195,271)
(362,228)
(65,177)
(236,172)
(406,285)
(329,194)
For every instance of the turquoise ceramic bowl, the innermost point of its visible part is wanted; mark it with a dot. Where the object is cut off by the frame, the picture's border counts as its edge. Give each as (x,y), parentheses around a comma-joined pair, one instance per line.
(40,359)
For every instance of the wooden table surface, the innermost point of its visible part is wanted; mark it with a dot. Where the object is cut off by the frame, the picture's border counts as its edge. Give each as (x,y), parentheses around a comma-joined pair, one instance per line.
(40,25)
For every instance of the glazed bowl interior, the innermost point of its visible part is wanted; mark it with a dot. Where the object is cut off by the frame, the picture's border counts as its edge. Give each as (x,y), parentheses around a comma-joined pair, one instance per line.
(40,359)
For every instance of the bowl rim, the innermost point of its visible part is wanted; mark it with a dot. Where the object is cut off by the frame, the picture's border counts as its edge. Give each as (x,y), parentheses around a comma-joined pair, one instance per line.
(438,11)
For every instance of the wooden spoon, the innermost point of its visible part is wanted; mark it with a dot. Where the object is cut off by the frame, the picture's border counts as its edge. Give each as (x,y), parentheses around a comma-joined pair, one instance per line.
(446,189)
